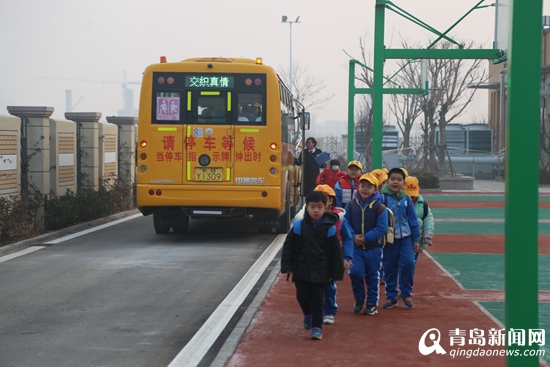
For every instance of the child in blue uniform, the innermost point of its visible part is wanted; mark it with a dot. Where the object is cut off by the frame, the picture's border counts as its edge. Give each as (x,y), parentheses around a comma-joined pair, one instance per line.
(399,258)
(382,177)
(312,253)
(368,220)
(423,213)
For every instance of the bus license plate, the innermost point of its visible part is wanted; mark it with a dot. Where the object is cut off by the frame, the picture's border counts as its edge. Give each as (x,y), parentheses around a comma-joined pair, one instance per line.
(208,174)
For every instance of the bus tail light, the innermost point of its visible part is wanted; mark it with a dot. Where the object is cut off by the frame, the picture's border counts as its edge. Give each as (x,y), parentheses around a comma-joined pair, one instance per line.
(143,144)
(143,156)
(273,146)
(273,158)
(264,194)
(273,171)
(143,169)
(151,192)
(159,192)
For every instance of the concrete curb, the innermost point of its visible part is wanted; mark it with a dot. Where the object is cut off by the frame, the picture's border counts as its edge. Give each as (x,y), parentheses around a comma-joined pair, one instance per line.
(234,339)
(63,232)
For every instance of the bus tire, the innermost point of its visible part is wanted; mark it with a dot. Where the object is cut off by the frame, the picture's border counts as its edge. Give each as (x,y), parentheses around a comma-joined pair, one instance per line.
(293,211)
(182,226)
(284,220)
(159,222)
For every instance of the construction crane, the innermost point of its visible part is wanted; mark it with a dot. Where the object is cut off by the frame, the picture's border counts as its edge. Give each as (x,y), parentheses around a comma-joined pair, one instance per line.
(127,93)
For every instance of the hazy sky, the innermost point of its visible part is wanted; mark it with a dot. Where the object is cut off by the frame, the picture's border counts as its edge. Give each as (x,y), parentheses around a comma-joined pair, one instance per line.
(88,46)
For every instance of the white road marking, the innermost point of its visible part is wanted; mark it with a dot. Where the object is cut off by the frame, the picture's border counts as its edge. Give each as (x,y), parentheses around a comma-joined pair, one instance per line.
(194,351)
(78,234)
(28,250)
(445,271)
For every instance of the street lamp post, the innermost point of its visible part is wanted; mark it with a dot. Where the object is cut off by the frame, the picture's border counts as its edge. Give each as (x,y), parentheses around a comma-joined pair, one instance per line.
(285,20)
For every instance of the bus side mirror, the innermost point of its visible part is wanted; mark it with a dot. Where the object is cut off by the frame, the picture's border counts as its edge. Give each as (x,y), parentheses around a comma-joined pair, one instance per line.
(305,120)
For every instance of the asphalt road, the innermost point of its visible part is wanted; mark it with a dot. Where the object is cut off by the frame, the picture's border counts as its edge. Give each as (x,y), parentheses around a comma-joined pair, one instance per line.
(120,296)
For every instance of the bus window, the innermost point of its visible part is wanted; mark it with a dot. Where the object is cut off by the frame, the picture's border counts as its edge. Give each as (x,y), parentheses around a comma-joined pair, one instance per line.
(251,110)
(211,109)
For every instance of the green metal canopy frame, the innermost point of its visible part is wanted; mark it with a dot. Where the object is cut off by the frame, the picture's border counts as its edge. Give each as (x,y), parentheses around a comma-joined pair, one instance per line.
(381,54)
(522,135)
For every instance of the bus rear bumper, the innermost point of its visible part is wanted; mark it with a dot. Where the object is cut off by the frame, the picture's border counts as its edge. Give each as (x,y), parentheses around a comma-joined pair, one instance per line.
(210,201)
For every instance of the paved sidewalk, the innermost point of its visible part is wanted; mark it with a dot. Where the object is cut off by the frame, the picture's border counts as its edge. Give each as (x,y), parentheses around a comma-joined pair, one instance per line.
(275,335)
(489,186)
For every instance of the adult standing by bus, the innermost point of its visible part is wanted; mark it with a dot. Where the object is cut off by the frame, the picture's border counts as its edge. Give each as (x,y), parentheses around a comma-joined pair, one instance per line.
(312,169)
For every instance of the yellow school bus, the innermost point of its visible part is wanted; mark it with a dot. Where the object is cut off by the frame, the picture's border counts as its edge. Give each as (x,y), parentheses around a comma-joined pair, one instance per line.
(217,138)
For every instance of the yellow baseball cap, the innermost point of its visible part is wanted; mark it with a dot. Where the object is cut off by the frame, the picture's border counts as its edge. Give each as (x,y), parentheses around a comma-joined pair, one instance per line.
(380,175)
(369,177)
(355,163)
(404,171)
(411,186)
(325,189)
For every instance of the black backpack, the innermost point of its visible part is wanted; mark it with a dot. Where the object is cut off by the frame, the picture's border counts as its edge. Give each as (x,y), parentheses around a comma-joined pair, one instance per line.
(425,214)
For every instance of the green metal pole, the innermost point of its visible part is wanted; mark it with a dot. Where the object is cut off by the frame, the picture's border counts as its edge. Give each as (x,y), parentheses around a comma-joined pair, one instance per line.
(437,53)
(378,84)
(351,109)
(521,211)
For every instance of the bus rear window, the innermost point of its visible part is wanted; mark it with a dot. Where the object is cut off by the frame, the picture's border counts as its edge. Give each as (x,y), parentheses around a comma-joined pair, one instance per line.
(208,98)
(250,109)
(212,109)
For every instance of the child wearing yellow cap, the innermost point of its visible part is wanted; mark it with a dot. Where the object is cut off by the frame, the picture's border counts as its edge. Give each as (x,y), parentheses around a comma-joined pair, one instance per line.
(347,185)
(423,213)
(343,231)
(368,219)
(381,176)
(399,258)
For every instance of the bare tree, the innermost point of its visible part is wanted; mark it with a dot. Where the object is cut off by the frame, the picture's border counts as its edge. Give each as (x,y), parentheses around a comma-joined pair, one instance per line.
(365,75)
(544,138)
(429,105)
(449,97)
(363,132)
(405,108)
(363,113)
(544,142)
(308,90)
(452,80)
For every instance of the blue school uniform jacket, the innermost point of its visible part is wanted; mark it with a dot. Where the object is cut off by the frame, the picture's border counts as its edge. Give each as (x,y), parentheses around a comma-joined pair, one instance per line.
(363,219)
(406,222)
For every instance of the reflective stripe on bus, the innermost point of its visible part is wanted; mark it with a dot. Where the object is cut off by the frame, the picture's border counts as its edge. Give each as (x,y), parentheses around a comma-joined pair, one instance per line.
(188,161)
(167,129)
(249,130)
